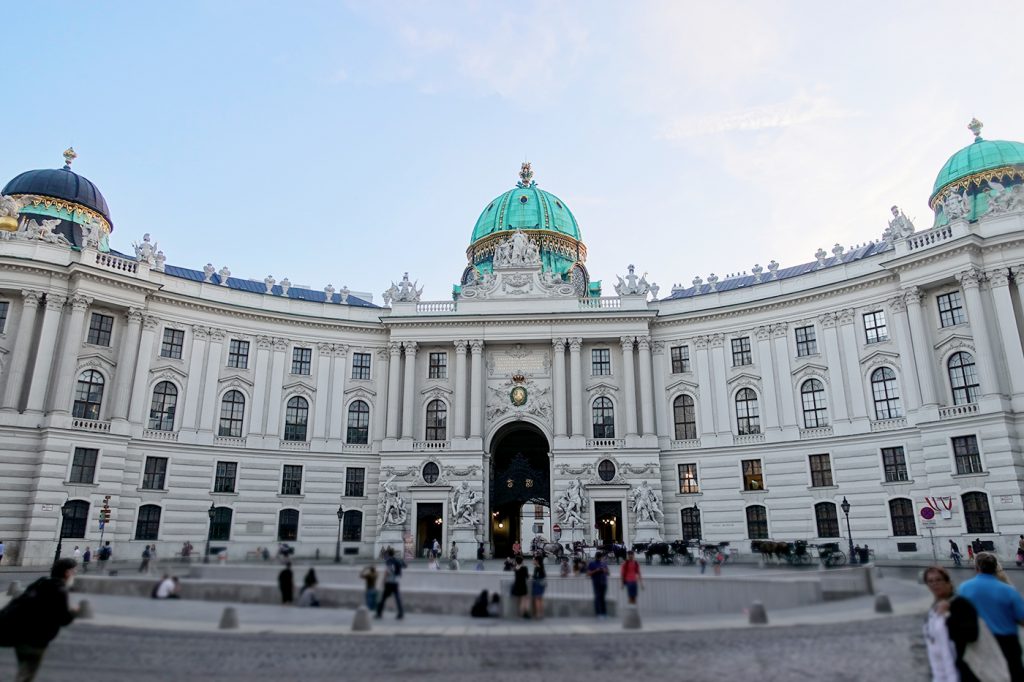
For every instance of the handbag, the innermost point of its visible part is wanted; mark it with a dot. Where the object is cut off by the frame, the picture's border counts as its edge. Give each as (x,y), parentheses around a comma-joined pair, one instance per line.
(984,657)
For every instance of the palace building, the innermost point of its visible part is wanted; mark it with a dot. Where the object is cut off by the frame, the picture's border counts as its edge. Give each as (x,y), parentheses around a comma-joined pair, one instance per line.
(187,405)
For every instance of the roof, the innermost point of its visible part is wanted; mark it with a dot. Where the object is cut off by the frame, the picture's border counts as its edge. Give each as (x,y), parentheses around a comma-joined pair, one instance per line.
(980,155)
(59,183)
(528,208)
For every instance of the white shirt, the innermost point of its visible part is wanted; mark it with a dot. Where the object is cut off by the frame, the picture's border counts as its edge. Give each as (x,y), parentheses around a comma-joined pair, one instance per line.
(78,553)
(165,589)
(941,650)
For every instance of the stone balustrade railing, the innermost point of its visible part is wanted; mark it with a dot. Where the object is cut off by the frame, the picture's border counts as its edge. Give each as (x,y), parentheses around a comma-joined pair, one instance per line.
(748,438)
(958,410)
(157,434)
(689,444)
(888,424)
(90,425)
(430,445)
(229,441)
(606,443)
(816,432)
(437,307)
(105,260)
(591,303)
(294,445)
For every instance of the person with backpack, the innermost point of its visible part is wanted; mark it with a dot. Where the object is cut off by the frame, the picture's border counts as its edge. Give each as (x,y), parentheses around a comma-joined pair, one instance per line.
(392,576)
(32,620)
(103,555)
(86,558)
(146,555)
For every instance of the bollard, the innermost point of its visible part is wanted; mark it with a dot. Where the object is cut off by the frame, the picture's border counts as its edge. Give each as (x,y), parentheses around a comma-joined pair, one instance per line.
(758,616)
(882,604)
(229,619)
(84,610)
(631,618)
(361,621)
(14,589)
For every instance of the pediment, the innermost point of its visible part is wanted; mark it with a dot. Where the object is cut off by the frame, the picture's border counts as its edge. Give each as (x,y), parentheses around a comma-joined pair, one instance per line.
(683,385)
(601,387)
(810,368)
(360,391)
(955,341)
(236,380)
(95,360)
(745,378)
(170,371)
(299,386)
(880,356)
(437,389)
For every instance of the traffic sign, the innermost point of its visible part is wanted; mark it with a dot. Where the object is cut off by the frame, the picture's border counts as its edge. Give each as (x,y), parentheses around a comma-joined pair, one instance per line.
(927,513)
(556,528)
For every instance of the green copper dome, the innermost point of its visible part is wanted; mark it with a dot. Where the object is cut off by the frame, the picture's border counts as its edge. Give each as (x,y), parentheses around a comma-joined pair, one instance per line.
(980,156)
(528,208)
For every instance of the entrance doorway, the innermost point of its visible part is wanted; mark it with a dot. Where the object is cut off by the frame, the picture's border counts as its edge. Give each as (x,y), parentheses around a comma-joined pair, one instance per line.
(608,519)
(520,488)
(429,526)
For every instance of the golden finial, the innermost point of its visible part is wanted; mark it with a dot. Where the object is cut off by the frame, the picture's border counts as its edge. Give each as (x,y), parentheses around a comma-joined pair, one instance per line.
(69,156)
(526,175)
(975,127)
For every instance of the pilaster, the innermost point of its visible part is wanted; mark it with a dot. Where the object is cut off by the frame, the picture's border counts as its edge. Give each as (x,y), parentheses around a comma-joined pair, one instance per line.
(629,383)
(67,360)
(409,391)
(44,358)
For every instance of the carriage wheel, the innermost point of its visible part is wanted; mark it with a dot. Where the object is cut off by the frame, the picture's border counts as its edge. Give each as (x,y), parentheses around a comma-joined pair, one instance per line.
(840,559)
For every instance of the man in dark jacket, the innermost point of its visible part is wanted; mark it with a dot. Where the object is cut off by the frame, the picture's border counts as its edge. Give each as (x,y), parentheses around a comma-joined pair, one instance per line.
(32,620)
(286,581)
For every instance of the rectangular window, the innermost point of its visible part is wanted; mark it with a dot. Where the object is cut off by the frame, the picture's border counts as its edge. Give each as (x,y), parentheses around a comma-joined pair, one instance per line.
(895,464)
(360,365)
(174,340)
(302,360)
(752,477)
(827,520)
(100,327)
(680,359)
(238,354)
(821,471)
(600,362)
(153,478)
(225,479)
(83,465)
(806,341)
(688,478)
(438,366)
(352,528)
(291,480)
(874,327)
(951,309)
(355,477)
(741,351)
(968,459)
(4,307)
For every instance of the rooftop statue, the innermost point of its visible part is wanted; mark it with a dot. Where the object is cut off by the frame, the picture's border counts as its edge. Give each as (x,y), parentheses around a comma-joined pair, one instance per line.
(900,226)
(956,205)
(518,250)
(1004,200)
(403,292)
(145,250)
(635,286)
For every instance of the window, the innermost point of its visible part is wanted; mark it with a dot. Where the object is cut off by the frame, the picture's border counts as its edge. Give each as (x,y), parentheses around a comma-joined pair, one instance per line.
(358,423)
(685,417)
(147,526)
(874,327)
(606,470)
(977,514)
(680,359)
(748,419)
(965,451)
(894,462)
(821,472)
(302,359)
(757,522)
(74,523)
(100,327)
(752,477)
(287,525)
(88,395)
(83,465)
(806,341)
(741,351)
(172,344)
(232,410)
(355,477)
(431,472)
(224,481)
(885,393)
(963,378)
(238,354)
(828,520)
(352,526)
(161,410)
(688,479)
(901,511)
(437,420)
(155,474)
(220,524)
(5,306)
(812,395)
(604,418)
(438,368)
(600,361)
(690,517)
(360,365)
(296,416)
(291,479)
(951,309)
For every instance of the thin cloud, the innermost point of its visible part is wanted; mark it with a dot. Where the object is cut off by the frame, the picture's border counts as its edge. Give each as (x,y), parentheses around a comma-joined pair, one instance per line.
(800,111)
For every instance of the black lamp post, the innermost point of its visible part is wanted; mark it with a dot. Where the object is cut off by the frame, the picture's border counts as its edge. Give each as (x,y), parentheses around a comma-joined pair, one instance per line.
(209,531)
(337,547)
(65,512)
(845,506)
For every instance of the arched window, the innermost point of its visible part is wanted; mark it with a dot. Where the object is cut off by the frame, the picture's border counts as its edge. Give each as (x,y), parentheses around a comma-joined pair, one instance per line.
(358,423)
(604,418)
(827,519)
(288,525)
(691,523)
(812,395)
(977,513)
(685,417)
(963,378)
(232,410)
(352,526)
(431,472)
(885,393)
(757,522)
(161,410)
(75,519)
(437,420)
(748,420)
(147,526)
(220,524)
(88,395)
(901,511)
(296,416)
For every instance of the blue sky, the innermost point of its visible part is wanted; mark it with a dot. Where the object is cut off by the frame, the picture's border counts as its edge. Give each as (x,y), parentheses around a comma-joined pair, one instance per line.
(345,143)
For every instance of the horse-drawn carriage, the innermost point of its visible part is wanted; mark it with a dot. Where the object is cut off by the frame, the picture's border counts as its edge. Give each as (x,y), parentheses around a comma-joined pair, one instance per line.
(540,545)
(675,552)
(831,555)
(798,552)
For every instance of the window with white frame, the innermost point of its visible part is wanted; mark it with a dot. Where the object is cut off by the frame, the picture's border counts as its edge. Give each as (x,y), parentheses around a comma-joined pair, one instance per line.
(885,394)
(963,378)
(88,395)
(360,365)
(748,419)
(163,406)
(901,513)
(826,519)
(753,479)
(600,361)
(355,478)
(83,465)
(951,309)
(173,342)
(680,359)
(438,366)
(358,432)
(685,416)
(806,341)
(437,420)
(232,411)
(894,464)
(291,479)
(296,418)
(821,471)
(741,352)
(302,360)
(5,306)
(154,475)
(874,327)
(238,354)
(977,514)
(688,479)
(604,418)
(225,477)
(967,455)
(757,522)
(100,328)
(812,397)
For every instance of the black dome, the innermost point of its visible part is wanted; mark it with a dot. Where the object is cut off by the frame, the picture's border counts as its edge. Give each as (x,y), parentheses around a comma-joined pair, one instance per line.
(60,183)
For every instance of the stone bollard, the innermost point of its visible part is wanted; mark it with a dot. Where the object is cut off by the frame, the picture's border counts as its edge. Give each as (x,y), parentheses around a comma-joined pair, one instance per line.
(361,621)
(631,618)
(84,610)
(229,619)
(14,589)
(758,616)
(882,604)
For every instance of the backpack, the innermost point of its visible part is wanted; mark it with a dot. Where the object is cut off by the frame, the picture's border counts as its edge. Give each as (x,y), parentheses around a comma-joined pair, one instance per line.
(12,616)
(105,553)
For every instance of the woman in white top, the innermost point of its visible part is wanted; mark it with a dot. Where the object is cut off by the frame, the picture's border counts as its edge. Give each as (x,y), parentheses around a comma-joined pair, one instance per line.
(951,625)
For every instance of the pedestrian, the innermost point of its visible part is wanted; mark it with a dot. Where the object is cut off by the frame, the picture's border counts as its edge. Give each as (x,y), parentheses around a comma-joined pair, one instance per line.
(307,595)
(392,577)
(865,555)
(719,560)
(970,554)
(954,553)
(539,584)
(479,609)
(855,555)
(104,554)
(597,570)
(702,561)
(519,587)
(509,564)
(146,555)
(481,554)
(32,620)
(977,546)
(2,551)
(86,558)
(453,557)
(77,554)
(517,549)
(286,582)
(167,588)
(1020,551)
(564,569)
(369,575)
(435,549)
(1000,606)
(186,551)
(951,624)
(494,608)
(631,578)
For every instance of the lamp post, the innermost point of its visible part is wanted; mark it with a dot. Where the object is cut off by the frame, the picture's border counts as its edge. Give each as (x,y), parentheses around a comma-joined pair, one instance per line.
(337,547)
(845,506)
(65,511)
(209,531)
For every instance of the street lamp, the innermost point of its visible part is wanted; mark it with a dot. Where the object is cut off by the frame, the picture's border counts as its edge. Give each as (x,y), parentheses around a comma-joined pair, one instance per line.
(65,512)
(845,506)
(209,531)
(337,547)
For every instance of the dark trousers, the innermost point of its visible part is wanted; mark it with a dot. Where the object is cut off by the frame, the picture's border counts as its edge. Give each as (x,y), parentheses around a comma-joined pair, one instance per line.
(390,589)
(29,660)
(1010,645)
(600,608)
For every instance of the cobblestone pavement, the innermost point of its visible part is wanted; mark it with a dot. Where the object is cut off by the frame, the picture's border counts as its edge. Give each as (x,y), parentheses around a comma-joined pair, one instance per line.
(887,649)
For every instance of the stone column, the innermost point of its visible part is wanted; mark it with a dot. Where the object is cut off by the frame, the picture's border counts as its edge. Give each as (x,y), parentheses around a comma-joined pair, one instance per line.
(194,383)
(44,357)
(921,346)
(988,376)
(208,408)
(706,415)
(409,390)
(558,385)
(475,388)
(721,387)
(629,383)
(22,348)
(834,360)
(662,425)
(898,309)
(337,416)
(324,351)
(787,415)
(999,282)
(261,385)
(771,396)
(394,367)
(67,360)
(127,356)
(646,391)
(138,409)
(460,389)
(378,407)
(277,374)
(576,379)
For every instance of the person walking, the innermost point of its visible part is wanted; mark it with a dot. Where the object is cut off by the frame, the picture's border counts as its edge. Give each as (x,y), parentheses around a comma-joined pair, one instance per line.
(2,551)
(435,549)
(597,570)
(954,553)
(86,558)
(77,554)
(1000,606)
(307,595)
(1020,551)
(392,577)
(951,624)
(631,578)
(369,575)
(146,555)
(519,587)
(481,554)
(537,587)
(104,554)
(286,583)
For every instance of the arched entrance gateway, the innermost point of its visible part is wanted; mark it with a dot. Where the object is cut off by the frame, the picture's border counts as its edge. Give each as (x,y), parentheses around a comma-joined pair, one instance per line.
(520,487)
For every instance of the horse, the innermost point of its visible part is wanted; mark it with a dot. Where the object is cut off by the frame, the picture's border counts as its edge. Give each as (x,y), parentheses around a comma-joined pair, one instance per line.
(662,549)
(616,550)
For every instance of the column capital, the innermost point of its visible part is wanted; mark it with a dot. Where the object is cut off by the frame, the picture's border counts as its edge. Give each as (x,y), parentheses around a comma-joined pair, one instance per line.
(280,345)
(658,347)
(827,320)
(341,350)
(898,304)
(134,315)
(80,301)
(264,342)
(1000,277)
(410,348)
(716,340)
(779,329)
(477,346)
(970,278)
(325,349)
(31,296)
(913,295)
(575,344)
(700,342)
(55,302)
(200,333)
(627,343)
(383,353)
(643,343)
(394,348)
(460,346)
(763,333)
(150,321)
(217,335)
(558,345)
